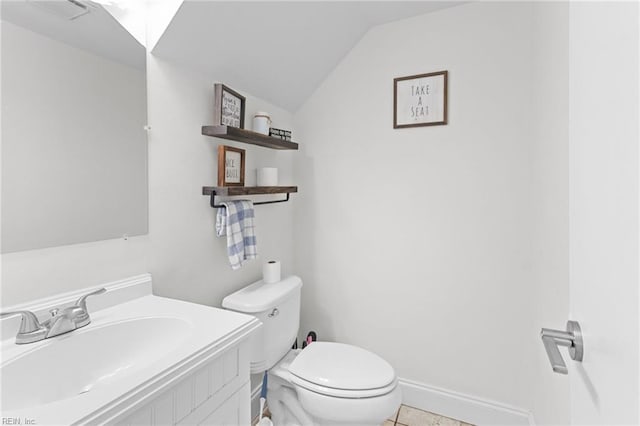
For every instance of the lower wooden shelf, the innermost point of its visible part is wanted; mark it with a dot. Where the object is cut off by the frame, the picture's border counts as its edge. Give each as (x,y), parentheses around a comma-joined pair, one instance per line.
(232,191)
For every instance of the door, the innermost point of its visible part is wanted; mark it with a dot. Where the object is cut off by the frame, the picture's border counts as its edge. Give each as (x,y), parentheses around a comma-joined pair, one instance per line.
(603,212)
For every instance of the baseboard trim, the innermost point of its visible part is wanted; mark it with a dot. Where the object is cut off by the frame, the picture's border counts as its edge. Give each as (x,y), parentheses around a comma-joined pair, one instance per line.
(466,408)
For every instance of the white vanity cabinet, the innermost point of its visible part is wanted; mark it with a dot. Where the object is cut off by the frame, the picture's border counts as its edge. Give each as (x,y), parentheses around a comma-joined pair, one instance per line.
(143,360)
(215,393)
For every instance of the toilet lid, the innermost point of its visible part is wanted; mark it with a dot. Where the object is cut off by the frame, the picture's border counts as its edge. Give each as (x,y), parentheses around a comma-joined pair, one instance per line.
(340,366)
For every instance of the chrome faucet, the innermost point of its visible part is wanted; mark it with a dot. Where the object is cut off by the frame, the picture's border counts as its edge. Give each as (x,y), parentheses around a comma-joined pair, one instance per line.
(61,321)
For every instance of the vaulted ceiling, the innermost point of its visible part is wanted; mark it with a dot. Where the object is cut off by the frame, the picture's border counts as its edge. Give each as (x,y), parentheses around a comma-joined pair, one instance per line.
(94,30)
(279,51)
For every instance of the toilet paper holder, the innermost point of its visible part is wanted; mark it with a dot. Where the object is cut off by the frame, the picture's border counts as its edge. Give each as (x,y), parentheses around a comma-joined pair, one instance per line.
(257,203)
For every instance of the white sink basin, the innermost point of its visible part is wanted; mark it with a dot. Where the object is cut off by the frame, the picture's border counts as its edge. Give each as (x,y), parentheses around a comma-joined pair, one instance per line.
(77,362)
(134,346)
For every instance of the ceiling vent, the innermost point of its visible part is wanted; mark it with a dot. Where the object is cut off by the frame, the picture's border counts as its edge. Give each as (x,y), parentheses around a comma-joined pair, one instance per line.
(65,9)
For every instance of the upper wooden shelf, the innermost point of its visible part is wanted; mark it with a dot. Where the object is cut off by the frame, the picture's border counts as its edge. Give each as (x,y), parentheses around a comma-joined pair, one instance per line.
(231,191)
(247,136)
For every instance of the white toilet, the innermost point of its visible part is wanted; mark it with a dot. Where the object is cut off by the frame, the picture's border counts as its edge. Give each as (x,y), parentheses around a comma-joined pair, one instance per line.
(325,383)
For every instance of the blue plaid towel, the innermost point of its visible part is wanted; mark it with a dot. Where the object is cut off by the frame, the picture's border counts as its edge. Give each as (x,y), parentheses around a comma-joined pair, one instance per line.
(235,220)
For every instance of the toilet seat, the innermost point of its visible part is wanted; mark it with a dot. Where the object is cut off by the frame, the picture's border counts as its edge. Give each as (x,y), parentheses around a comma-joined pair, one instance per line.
(342,371)
(343,393)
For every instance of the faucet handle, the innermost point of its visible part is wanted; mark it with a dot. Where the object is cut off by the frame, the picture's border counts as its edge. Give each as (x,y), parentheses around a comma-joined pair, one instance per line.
(82,302)
(30,328)
(82,317)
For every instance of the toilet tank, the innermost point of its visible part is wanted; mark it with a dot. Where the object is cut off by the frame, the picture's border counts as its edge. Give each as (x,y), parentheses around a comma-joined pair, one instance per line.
(277,305)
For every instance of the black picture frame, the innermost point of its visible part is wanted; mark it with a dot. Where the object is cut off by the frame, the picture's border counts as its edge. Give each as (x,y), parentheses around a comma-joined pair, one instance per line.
(400,99)
(229,107)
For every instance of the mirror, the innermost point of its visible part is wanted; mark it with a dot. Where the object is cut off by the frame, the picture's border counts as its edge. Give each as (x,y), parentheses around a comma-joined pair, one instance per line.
(74,146)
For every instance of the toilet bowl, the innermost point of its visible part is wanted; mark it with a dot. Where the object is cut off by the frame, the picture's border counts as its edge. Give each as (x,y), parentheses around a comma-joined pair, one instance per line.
(326,383)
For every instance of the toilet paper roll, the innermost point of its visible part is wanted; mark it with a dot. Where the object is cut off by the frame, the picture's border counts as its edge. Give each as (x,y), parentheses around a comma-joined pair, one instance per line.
(271,272)
(268,176)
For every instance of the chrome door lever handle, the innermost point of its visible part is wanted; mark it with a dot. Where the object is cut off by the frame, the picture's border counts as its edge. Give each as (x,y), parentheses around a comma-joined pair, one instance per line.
(572,339)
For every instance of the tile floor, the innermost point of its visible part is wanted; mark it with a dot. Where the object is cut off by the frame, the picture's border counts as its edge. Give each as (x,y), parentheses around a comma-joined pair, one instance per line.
(409,416)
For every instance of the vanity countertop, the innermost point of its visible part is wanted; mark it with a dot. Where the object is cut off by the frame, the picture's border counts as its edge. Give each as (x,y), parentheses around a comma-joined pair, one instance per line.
(129,348)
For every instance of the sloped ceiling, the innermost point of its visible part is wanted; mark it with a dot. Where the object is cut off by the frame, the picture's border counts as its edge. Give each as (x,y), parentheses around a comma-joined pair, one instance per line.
(279,51)
(96,31)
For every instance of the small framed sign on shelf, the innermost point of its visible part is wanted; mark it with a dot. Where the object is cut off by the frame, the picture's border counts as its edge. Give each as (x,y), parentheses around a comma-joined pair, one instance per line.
(230,166)
(229,107)
(420,100)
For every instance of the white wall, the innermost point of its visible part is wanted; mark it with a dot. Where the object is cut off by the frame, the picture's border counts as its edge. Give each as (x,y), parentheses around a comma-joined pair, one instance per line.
(419,243)
(187,260)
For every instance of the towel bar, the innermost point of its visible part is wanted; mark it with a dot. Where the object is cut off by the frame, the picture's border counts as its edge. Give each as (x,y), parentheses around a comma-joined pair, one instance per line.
(217,206)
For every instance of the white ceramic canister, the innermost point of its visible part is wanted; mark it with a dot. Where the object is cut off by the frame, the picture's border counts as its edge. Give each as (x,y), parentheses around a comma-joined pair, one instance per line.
(261,122)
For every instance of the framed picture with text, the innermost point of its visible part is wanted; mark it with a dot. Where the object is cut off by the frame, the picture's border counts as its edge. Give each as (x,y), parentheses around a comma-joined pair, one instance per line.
(230,166)
(420,100)
(229,107)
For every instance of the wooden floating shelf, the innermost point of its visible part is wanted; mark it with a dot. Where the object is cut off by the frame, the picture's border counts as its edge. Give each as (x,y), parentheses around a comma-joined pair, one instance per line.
(247,136)
(232,191)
